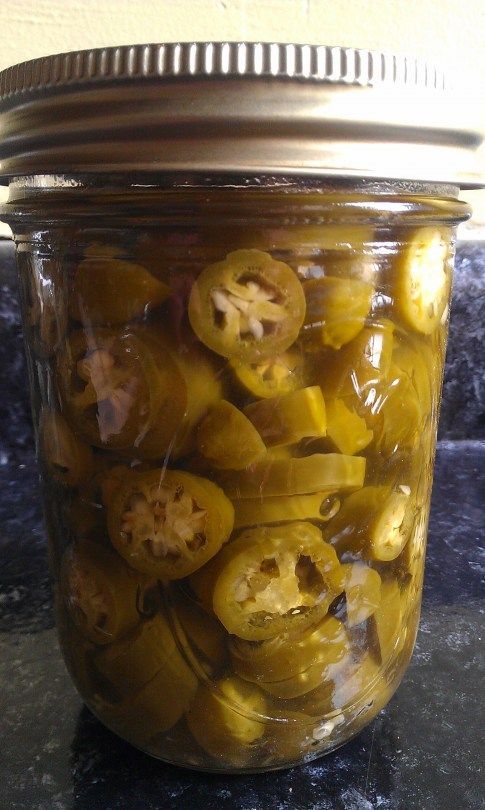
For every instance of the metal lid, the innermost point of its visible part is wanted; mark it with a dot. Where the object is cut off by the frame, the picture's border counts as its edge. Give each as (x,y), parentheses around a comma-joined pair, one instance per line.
(235,107)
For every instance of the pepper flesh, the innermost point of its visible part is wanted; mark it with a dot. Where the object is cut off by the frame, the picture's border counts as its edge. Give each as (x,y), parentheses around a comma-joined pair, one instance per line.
(321,506)
(289,418)
(336,309)
(332,472)
(68,460)
(272,376)
(274,579)
(249,306)
(168,523)
(227,438)
(362,592)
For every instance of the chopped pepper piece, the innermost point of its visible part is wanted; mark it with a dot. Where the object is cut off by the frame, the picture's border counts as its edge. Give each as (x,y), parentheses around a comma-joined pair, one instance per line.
(99,591)
(46,308)
(422,279)
(227,438)
(249,306)
(273,376)
(276,579)
(336,309)
(386,622)
(362,592)
(321,506)
(288,655)
(331,472)
(114,387)
(289,418)
(197,629)
(346,430)
(68,459)
(374,521)
(168,523)
(228,720)
(108,290)
(131,662)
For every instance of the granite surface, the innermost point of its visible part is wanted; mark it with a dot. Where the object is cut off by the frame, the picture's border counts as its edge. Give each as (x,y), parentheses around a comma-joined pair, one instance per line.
(425,750)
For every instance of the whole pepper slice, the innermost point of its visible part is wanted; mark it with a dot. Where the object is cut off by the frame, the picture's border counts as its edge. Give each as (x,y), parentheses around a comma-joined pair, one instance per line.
(321,506)
(289,654)
(168,523)
(336,309)
(228,439)
(276,579)
(374,521)
(100,592)
(228,719)
(248,306)
(288,418)
(108,290)
(68,459)
(272,376)
(347,431)
(332,472)
(113,387)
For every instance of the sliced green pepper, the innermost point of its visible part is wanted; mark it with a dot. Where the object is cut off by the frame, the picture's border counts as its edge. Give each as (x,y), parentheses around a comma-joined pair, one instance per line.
(46,308)
(227,438)
(288,655)
(273,376)
(249,306)
(108,290)
(422,279)
(289,418)
(228,720)
(346,430)
(313,239)
(203,387)
(320,506)
(131,662)
(99,591)
(114,388)
(200,630)
(373,520)
(168,523)
(397,419)
(336,309)
(68,459)
(362,592)
(360,367)
(387,624)
(156,707)
(330,472)
(276,579)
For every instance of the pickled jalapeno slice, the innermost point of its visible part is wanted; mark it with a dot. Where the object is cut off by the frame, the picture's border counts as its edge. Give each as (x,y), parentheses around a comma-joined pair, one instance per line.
(276,579)
(46,314)
(99,591)
(248,306)
(228,719)
(346,430)
(362,592)
(108,290)
(168,523)
(374,520)
(113,388)
(331,472)
(68,459)
(288,418)
(228,439)
(336,309)
(387,626)
(320,506)
(422,279)
(289,654)
(272,376)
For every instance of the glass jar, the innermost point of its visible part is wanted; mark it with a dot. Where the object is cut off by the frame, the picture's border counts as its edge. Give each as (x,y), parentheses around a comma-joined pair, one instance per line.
(235,383)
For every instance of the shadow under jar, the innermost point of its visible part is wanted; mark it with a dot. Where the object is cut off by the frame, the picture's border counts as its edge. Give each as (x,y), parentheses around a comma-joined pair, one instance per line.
(236,348)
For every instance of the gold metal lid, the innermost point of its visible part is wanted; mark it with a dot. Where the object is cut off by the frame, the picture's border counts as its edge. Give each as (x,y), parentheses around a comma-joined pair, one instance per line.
(239,108)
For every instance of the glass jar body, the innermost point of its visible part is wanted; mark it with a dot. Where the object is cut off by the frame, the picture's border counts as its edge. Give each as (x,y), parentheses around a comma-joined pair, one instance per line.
(235,393)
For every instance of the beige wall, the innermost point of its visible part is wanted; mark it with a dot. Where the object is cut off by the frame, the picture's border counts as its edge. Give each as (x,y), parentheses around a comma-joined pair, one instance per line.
(447,31)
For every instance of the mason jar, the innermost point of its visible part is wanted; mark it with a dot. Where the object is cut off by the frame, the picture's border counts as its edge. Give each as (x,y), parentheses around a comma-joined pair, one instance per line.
(235,266)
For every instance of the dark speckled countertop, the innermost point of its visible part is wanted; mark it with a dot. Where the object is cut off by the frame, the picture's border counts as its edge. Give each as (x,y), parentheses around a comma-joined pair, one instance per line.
(425,750)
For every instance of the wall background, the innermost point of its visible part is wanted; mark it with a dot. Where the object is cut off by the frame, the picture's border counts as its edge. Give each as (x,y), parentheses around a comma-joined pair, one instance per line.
(445,31)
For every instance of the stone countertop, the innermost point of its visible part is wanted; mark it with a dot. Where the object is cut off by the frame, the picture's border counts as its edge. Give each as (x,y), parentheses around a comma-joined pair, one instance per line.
(422,751)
